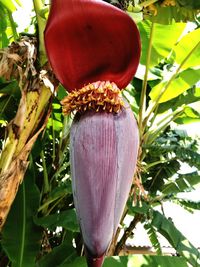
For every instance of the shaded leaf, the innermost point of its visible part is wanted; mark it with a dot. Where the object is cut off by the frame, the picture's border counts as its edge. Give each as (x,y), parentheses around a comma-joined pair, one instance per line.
(20,236)
(171,14)
(141,208)
(59,254)
(66,219)
(153,238)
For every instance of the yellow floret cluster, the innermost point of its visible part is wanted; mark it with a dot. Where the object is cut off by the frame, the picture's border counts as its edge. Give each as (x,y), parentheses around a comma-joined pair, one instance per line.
(98,96)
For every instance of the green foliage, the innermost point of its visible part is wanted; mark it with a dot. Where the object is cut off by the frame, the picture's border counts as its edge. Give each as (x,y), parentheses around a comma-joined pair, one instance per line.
(60,254)
(151,231)
(21,237)
(176,239)
(183,183)
(165,37)
(137,261)
(164,158)
(194,205)
(65,219)
(185,80)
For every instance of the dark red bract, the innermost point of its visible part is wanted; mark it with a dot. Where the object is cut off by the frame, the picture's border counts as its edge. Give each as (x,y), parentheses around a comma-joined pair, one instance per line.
(88,41)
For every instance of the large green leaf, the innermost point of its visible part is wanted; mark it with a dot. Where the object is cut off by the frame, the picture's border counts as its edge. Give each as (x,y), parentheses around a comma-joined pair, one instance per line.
(164,39)
(183,82)
(66,219)
(176,239)
(136,261)
(20,236)
(185,46)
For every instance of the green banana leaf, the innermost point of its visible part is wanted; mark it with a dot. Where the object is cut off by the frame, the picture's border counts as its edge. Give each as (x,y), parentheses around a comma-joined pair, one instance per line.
(189,42)
(182,83)
(164,39)
(60,254)
(66,219)
(20,236)
(188,97)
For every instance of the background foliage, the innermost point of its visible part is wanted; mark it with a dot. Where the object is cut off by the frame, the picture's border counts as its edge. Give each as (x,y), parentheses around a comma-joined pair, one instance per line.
(41,228)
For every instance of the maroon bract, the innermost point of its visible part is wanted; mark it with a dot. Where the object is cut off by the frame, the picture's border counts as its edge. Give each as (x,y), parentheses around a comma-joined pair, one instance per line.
(89,41)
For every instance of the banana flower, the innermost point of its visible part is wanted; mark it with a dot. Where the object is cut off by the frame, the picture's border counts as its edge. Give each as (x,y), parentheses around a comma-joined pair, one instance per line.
(94,50)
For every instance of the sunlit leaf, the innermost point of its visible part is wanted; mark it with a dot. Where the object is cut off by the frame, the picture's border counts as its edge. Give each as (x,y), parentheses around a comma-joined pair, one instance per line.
(185,46)
(9,5)
(190,115)
(164,39)
(188,97)
(183,82)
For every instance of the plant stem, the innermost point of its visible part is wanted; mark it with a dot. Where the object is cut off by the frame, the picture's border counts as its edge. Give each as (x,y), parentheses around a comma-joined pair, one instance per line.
(150,136)
(38,6)
(156,163)
(13,26)
(144,85)
(46,188)
(127,233)
(53,139)
(156,102)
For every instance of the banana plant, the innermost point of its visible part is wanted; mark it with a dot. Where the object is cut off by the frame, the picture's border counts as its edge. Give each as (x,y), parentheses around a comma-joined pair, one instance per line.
(45,197)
